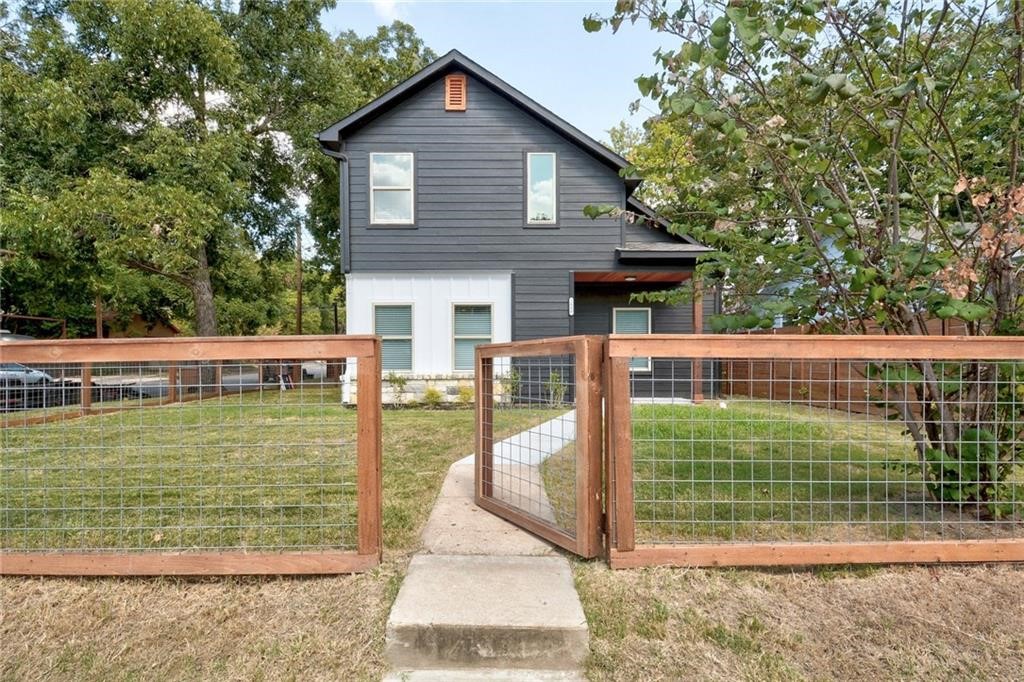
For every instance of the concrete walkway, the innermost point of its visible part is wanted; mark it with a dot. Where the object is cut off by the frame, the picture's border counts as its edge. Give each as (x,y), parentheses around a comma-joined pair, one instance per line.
(486,600)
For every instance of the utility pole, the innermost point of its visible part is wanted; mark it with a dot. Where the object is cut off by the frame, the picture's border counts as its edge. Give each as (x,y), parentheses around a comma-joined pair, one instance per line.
(298,277)
(99,317)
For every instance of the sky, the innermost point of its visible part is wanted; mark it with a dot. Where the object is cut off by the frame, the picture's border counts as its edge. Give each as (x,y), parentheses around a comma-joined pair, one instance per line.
(537,46)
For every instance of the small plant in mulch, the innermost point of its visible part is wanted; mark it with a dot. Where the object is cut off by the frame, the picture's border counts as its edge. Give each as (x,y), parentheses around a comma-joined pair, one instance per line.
(556,388)
(432,398)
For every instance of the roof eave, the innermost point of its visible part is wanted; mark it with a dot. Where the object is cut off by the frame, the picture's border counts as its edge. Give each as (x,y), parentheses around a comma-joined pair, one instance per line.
(330,136)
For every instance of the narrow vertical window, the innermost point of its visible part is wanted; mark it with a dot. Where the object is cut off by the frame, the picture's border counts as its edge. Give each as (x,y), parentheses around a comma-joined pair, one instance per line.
(391,189)
(393,324)
(541,190)
(472,326)
(633,321)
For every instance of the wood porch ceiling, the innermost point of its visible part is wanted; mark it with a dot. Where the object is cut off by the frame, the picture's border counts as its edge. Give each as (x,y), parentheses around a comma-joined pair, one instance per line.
(641,277)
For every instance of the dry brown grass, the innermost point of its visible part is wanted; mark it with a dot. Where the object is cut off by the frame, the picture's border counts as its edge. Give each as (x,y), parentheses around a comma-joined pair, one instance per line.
(232,629)
(947,623)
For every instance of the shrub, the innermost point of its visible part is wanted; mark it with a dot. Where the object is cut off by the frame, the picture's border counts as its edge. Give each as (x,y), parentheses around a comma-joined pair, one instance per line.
(465,395)
(556,388)
(510,384)
(432,397)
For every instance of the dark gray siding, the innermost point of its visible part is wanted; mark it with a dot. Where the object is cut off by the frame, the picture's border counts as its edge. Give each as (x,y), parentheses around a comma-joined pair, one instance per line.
(668,378)
(469,202)
(640,233)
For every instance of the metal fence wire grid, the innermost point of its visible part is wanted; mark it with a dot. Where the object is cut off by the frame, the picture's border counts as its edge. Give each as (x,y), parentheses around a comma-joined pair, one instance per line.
(177,456)
(827,450)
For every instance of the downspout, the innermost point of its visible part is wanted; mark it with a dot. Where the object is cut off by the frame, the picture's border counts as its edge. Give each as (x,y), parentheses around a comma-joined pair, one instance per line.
(343,207)
(346,255)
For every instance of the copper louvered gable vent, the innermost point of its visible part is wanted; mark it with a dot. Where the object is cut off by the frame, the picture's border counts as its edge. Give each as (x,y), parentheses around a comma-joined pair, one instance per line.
(455,92)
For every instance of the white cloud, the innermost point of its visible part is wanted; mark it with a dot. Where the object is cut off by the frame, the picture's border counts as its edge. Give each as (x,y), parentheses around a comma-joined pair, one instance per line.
(386,9)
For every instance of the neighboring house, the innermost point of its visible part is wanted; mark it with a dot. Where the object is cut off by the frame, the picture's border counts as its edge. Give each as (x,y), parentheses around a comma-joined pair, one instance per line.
(462,223)
(137,327)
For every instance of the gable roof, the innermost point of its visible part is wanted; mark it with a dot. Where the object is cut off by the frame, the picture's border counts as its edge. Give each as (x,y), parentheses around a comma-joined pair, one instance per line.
(456,61)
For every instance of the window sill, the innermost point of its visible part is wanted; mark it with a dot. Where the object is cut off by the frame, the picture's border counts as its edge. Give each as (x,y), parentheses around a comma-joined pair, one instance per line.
(541,226)
(391,226)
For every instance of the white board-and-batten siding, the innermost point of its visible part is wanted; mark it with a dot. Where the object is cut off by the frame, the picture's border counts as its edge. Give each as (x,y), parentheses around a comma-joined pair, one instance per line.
(433,297)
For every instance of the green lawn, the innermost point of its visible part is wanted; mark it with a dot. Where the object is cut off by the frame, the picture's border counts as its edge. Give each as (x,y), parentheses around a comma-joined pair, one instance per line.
(754,470)
(263,470)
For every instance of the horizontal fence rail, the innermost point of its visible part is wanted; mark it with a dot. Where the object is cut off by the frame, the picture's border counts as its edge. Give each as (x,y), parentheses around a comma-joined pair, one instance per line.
(539,437)
(189,456)
(814,449)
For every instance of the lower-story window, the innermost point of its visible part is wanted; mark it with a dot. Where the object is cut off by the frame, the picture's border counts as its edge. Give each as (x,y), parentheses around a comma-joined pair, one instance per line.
(633,321)
(393,324)
(471,327)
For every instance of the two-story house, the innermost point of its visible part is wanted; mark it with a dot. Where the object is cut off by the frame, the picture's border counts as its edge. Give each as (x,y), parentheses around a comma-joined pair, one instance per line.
(462,223)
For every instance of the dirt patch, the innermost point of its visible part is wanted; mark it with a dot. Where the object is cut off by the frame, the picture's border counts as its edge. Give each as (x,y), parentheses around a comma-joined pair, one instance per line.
(226,629)
(949,623)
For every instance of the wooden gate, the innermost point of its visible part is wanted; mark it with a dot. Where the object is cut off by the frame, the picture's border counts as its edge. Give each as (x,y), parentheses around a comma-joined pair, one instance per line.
(538,445)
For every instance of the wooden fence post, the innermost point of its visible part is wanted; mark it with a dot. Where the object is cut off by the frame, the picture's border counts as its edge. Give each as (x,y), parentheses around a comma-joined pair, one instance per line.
(620,435)
(172,382)
(589,358)
(485,426)
(368,449)
(697,366)
(86,399)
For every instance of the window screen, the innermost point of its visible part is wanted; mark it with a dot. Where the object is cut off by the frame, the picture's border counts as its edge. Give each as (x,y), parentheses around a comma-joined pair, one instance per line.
(393,323)
(634,321)
(472,327)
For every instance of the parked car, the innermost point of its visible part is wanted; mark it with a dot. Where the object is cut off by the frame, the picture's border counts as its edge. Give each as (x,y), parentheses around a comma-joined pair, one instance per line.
(6,335)
(23,387)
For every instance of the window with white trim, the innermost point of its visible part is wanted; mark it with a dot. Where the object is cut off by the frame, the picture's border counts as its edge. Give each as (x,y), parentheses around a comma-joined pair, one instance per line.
(393,324)
(391,188)
(541,189)
(471,326)
(633,321)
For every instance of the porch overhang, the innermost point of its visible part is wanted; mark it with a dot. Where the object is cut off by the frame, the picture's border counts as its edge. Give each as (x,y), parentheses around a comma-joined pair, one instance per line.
(626,277)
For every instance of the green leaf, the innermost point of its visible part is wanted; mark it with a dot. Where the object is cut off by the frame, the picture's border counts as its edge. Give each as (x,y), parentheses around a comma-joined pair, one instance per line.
(691,52)
(716,119)
(718,42)
(842,219)
(720,26)
(817,94)
(591,24)
(593,211)
(682,105)
(835,81)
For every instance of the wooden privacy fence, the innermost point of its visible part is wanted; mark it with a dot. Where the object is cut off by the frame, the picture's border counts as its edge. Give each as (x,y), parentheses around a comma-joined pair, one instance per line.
(190,456)
(907,450)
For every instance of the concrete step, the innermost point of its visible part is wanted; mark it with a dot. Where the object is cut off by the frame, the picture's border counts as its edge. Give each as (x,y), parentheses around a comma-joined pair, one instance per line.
(485,675)
(498,612)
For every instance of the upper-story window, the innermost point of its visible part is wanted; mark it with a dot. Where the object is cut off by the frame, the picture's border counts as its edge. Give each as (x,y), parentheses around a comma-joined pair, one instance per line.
(541,192)
(391,189)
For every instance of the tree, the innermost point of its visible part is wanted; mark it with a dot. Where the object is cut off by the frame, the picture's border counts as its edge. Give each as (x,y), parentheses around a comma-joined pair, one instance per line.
(864,159)
(161,151)
(373,65)
(657,152)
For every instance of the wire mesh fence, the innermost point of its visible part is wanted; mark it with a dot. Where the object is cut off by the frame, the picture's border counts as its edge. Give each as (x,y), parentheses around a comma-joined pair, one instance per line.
(534,470)
(186,456)
(542,473)
(812,441)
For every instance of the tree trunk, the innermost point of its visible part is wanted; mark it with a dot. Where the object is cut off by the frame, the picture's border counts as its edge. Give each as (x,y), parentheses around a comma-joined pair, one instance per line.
(202,292)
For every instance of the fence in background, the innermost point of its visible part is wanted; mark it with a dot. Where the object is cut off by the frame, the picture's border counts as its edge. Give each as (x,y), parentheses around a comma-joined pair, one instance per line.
(918,460)
(189,456)
(545,477)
